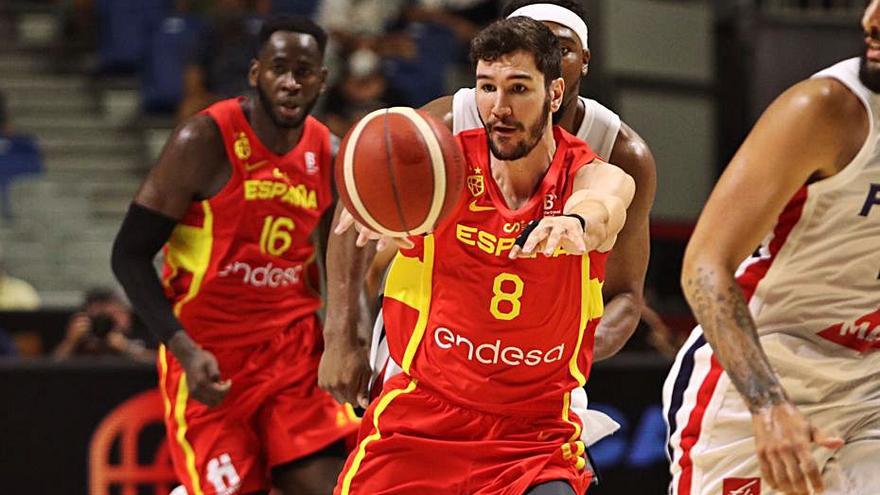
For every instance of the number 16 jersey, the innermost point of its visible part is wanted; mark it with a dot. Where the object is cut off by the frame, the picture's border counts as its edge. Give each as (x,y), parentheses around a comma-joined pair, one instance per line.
(239,267)
(482,330)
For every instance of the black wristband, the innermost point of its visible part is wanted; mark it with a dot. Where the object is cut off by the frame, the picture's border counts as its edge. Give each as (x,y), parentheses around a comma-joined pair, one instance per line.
(521,238)
(581,219)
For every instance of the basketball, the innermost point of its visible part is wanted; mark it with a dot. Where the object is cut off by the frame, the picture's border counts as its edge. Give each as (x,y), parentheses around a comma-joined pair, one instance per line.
(399,171)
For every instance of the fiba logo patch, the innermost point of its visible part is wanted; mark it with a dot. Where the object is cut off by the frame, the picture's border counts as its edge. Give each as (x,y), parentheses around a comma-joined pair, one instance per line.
(311,163)
(242,147)
(742,486)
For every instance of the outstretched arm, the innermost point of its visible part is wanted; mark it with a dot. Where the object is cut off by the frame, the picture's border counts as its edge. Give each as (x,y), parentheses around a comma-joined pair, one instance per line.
(807,133)
(628,262)
(593,214)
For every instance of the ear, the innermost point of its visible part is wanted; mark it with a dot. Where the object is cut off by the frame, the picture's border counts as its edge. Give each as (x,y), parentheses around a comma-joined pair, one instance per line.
(254,73)
(324,73)
(585,62)
(556,90)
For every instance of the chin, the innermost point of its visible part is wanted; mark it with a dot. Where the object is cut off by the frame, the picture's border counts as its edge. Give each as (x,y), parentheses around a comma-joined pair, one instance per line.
(869,74)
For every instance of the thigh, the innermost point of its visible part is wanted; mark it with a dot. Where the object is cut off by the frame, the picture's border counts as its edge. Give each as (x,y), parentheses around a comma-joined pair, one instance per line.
(551,488)
(213,453)
(299,420)
(314,474)
(214,450)
(855,468)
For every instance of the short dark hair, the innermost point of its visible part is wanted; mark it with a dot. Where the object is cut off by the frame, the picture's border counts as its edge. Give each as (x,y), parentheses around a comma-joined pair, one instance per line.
(506,36)
(100,295)
(573,5)
(294,24)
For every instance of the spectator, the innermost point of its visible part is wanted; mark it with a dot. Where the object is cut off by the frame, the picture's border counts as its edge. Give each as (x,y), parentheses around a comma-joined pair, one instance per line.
(16,294)
(361,90)
(223,53)
(363,25)
(103,327)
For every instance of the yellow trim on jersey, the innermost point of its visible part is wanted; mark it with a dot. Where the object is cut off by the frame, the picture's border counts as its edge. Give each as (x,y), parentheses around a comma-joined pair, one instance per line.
(190,248)
(163,376)
(409,282)
(180,417)
(592,307)
(567,453)
(376,435)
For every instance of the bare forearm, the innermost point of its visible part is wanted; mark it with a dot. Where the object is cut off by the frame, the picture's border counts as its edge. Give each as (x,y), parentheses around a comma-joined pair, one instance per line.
(618,323)
(719,306)
(347,266)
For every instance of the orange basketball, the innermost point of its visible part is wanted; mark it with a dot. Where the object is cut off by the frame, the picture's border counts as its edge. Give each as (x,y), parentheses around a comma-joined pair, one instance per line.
(399,171)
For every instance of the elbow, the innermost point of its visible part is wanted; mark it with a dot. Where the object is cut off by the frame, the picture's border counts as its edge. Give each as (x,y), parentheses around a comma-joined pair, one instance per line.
(120,261)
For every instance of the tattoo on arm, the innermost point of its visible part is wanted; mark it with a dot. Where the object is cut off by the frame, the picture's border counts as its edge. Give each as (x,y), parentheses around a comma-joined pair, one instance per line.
(720,308)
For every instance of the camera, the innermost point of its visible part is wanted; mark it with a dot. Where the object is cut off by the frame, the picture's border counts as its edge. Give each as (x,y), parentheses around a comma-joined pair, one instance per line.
(101,324)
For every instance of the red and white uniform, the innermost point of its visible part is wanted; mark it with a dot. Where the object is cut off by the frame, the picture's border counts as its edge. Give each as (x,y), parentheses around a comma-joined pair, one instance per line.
(490,348)
(814,292)
(239,270)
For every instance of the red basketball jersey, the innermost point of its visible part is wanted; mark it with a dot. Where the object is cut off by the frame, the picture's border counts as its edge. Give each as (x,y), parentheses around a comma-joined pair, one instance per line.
(495,334)
(239,267)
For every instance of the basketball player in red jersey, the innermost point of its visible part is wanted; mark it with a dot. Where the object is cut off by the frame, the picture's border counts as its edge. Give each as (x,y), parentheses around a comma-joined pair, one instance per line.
(492,336)
(610,138)
(236,197)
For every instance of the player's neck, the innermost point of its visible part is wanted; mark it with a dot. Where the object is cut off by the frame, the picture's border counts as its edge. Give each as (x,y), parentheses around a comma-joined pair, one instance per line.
(518,179)
(277,139)
(572,116)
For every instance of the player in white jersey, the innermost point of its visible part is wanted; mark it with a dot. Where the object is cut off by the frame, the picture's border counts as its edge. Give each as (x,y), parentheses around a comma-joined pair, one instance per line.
(786,396)
(611,139)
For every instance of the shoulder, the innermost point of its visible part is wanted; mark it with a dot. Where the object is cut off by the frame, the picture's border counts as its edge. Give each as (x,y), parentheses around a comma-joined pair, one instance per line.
(441,109)
(824,95)
(822,112)
(200,131)
(632,154)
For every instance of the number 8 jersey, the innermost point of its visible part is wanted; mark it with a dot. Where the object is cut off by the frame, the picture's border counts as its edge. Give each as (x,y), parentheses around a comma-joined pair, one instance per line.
(239,267)
(482,330)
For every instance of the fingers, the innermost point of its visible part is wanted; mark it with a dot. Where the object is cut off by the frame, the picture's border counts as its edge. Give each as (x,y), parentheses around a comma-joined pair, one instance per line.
(778,476)
(821,438)
(809,467)
(551,234)
(345,222)
(206,384)
(796,480)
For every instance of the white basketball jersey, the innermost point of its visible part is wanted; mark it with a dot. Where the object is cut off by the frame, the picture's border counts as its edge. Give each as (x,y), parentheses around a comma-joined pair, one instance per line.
(816,278)
(598,129)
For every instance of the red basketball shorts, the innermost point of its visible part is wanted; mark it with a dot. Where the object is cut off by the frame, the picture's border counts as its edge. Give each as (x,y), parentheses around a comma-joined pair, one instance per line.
(273,414)
(412,442)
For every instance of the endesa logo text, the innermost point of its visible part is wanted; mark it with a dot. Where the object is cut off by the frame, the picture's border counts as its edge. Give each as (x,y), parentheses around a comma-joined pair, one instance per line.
(268,275)
(496,352)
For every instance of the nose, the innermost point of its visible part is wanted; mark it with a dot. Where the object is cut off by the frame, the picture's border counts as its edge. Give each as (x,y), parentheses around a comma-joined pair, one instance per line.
(289,83)
(501,108)
(871,19)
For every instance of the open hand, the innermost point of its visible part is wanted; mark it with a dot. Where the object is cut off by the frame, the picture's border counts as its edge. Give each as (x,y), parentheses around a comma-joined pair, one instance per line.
(784,439)
(549,234)
(365,235)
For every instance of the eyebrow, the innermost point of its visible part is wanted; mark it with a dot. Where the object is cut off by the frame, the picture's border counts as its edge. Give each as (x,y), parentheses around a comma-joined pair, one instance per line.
(519,76)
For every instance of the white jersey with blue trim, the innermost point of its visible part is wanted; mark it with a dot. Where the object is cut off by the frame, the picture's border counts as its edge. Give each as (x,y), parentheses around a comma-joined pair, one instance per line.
(816,276)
